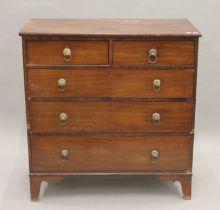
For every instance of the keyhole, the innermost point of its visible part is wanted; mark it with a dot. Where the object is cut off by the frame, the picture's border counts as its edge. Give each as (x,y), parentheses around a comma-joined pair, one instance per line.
(109,74)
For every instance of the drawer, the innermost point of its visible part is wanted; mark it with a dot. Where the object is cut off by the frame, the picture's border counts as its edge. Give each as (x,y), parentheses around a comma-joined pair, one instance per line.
(76,52)
(141,53)
(106,83)
(111,116)
(100,154)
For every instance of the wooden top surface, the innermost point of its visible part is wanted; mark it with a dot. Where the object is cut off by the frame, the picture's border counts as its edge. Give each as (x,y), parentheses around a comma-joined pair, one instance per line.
(110,27)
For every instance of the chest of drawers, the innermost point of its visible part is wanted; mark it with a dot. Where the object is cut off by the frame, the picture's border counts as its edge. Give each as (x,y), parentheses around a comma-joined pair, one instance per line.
(110,97)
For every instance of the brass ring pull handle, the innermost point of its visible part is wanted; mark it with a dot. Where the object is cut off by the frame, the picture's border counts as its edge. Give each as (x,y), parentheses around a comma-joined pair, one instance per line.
(63,118)
(61,84)
(67,54)
(156,118)
(155,154)
(156,85)
(152,55)
(64,154)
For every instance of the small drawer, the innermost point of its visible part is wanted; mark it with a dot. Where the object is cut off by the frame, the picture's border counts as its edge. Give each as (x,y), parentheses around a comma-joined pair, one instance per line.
(153,52)
(115,83)
(67,52)
(103,154)
(61,117)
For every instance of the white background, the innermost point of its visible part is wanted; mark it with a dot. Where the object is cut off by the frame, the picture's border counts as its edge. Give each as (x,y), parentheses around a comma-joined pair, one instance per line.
(109,193)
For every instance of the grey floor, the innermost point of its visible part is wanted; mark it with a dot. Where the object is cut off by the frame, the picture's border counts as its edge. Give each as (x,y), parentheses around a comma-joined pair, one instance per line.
(110,192)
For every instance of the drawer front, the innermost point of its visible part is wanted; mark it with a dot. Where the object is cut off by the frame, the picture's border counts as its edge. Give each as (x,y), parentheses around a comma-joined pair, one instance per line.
(100,154)
(81,52)
(167,52)
(106,83)
(111,117)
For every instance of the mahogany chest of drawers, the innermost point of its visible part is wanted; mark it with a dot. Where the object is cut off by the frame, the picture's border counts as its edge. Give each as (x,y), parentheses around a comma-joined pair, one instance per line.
(110,97)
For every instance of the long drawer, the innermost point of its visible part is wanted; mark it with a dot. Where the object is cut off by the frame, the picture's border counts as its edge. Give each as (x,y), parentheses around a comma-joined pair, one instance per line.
(111,116)
(107,83)
(153,52)
(67,52)
(100,154)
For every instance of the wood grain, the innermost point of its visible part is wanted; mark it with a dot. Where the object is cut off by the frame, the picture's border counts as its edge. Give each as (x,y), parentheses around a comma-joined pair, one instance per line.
(111,116)
(110,27)
(169,52)
(51,52)
(115,83)
(110,154)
